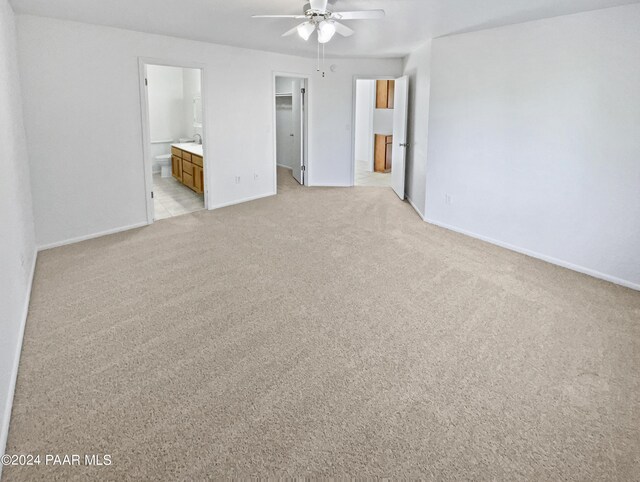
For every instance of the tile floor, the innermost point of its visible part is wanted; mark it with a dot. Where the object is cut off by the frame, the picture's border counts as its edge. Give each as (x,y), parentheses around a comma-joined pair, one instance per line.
(170,198)
(368,178)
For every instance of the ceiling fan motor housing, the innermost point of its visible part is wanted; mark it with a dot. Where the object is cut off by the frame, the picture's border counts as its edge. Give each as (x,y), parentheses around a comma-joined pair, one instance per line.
(326,22)
(308,5)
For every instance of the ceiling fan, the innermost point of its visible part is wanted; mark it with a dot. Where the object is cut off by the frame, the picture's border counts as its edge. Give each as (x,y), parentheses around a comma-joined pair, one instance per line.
(325,21)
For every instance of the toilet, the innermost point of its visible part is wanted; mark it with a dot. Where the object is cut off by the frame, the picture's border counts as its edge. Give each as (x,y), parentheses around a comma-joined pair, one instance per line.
(164,161)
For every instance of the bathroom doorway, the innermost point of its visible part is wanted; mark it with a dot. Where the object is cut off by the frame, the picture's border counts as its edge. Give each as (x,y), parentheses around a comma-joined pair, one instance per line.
(373,132)
(380,133)
(291,136)
(174,133)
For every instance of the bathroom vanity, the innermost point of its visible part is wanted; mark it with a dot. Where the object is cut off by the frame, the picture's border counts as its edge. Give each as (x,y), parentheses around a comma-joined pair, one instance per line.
(187,165)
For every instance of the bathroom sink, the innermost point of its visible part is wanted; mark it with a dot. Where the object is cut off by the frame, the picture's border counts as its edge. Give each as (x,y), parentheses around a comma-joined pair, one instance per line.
(191,147)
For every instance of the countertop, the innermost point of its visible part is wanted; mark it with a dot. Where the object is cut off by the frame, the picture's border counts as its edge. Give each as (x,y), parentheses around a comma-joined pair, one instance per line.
(191,147)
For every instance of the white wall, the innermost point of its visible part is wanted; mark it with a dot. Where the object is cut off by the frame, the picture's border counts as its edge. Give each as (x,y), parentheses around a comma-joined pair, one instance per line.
(365,103)
(166,103)
(534,133)
(284,85)
(17,240)
(383,121)
(192,83)
(82,112)
(417,66)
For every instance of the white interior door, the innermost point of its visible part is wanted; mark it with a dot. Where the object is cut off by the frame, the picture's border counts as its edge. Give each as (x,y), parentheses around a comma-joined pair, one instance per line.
(297,130)
(399,151)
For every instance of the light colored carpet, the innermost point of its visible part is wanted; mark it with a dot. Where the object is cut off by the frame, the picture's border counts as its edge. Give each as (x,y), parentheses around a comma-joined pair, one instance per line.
(324,332)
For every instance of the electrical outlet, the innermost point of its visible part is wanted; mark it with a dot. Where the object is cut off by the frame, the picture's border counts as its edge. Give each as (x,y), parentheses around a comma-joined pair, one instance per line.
(256,176)
(237,179)
(447,199)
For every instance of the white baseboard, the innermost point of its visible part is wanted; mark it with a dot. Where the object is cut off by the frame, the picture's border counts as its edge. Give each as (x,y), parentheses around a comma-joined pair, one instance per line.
(240,201)
(329,185)
(543,257)
(6,420)
(91,236)
(413,205)
(285,167)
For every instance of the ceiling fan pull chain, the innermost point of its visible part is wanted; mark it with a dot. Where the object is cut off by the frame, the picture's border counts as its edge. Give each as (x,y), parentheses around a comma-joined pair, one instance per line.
(323,60)
(318,69)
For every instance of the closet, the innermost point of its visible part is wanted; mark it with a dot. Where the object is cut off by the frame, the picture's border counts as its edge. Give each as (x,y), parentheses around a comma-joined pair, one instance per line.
(290,125)
(284,130)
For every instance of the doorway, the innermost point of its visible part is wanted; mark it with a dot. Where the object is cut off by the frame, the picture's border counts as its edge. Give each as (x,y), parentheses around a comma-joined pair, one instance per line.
(379,139)
(291,136)
(173,132)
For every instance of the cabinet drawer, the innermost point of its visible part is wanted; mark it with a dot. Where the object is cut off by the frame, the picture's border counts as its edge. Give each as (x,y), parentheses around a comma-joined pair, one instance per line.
(197,160)
(187,179)
(186,156)
(176,152)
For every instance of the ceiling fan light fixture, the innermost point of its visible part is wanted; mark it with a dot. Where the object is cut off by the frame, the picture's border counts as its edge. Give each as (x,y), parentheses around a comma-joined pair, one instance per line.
(305,30)
(326,31)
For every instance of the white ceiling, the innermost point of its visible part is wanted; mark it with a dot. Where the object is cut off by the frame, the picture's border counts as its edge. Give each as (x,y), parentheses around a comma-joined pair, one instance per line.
(408,22)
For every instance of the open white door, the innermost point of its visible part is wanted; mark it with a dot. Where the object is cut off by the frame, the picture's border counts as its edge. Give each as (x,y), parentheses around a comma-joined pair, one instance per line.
(399,152)
(298,129)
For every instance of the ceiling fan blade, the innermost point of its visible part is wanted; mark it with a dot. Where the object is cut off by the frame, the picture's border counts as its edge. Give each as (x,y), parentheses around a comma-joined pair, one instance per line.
(292,31)
(320,5)
(359,15)
(343,30)
(278,16)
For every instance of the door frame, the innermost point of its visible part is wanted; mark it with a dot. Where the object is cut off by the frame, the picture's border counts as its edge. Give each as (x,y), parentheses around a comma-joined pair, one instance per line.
(307,126)
(146,134)
(353,117)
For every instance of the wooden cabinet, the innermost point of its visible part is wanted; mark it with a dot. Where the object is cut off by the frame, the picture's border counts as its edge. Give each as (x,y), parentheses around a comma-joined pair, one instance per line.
(187,174)
(187,179)
(188,169)
(385,94)
(198,179)
(176,167)
(382,153)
